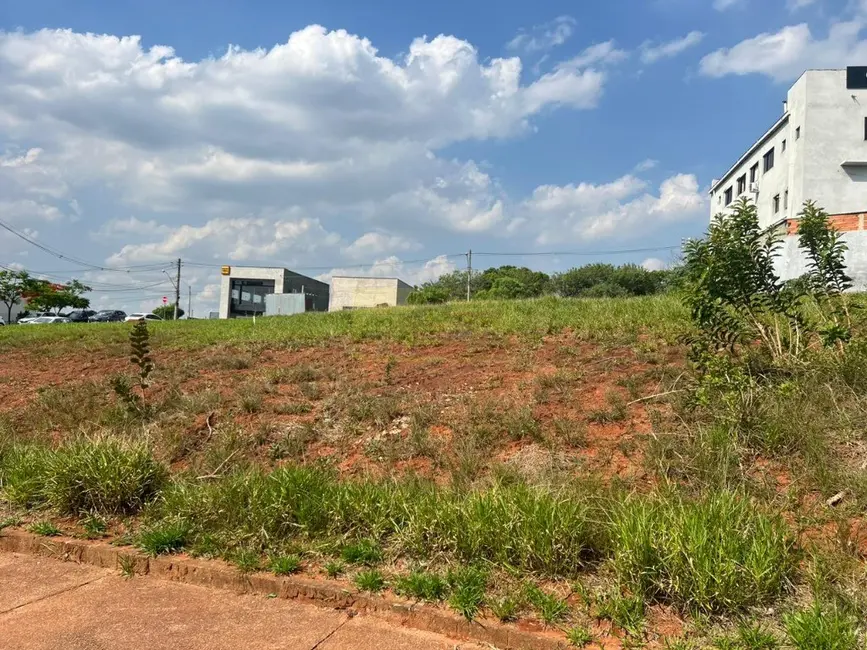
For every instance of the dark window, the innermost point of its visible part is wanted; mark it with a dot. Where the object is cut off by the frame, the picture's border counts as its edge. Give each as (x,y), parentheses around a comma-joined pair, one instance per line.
(865,128)
(798,133)
(742,184)
(248,297)
(754,173)
(783,148)
(776,204)
(769,160)
(728,196)
(786,200)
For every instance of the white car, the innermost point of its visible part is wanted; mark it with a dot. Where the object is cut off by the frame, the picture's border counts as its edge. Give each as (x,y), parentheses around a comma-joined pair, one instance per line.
(140,316)
(48,320)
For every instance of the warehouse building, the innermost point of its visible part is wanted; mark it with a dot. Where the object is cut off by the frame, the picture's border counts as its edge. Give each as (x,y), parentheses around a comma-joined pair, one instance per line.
(356,293)
(247,291)
(817,150)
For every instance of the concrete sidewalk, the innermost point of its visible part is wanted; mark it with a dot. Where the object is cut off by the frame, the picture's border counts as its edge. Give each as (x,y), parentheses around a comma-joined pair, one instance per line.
(47,604)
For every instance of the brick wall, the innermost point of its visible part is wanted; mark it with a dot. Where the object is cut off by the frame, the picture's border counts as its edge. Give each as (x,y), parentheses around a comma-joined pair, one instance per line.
(842,222)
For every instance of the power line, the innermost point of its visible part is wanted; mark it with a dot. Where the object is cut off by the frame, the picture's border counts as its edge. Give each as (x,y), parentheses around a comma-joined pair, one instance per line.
(629,251)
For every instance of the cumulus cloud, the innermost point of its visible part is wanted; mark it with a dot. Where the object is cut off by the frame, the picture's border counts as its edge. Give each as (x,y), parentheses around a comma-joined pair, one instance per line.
(785,54)
(544,37)
(654,264)
(393,266)
(653,52)
(371,244)
(624,208)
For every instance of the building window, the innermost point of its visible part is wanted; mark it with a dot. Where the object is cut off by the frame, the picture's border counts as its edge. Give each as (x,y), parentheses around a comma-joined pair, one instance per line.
(786,200)
(768,160)
(728,196)
(798,133)
(754,173)
(865,128)
(776,204)
(742,184)
(783,147)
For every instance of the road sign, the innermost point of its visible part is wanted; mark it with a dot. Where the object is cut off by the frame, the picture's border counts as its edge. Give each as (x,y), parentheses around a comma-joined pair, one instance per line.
(165,300)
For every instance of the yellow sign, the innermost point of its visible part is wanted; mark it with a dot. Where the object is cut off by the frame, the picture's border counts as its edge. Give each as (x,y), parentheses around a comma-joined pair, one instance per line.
(226,270)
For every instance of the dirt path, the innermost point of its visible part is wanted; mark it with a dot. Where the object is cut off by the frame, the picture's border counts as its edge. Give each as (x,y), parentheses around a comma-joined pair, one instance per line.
(48,604)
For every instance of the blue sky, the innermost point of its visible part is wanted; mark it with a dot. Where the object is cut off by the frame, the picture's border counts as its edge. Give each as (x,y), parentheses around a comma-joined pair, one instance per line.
(376,137)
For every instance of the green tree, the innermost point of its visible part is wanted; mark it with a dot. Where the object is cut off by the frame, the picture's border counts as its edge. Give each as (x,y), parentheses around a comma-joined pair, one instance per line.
(52,297)
(429,294)
(574,282)
(13,287)
(512,282)
(167,312)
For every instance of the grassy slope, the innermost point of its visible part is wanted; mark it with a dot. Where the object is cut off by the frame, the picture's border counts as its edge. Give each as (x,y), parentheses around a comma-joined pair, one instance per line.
(590,319)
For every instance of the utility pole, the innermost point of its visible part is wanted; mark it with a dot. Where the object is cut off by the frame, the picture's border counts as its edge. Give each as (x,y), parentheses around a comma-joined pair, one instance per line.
(190,303)
(469,271)
(178,290)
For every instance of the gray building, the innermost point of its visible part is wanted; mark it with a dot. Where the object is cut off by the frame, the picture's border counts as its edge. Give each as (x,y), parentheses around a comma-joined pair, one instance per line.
(249,291)
(359,292)
(816,150)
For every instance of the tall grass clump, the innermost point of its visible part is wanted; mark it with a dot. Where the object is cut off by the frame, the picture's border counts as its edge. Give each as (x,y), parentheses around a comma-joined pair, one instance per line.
(546,532)
(87,476)
(714,555)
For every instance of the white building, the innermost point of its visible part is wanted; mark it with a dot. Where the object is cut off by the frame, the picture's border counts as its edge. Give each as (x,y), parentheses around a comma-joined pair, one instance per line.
(355,293)
(816,151)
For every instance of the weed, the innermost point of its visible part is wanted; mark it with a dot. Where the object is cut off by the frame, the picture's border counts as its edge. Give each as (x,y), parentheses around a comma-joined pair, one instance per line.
(616,411)
(94,526)
(126,564)
(755,637)
(293,408)
(231,362)
(164,537)
(294,442)
(310,390)
(571,432)
(140,356)
(370,580)
(506,607)
(626,612)
(251,399)
(579,636)
(284,565)
(822,628)
(550,608)
(718,554)
(390,366)
(246,559)
(44,528)
(303,374)
(8,522)
(468,591)
(364,551)
(333,569)
(422,586)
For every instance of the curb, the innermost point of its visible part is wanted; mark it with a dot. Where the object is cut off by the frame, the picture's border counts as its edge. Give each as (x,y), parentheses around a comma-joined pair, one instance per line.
(206,573)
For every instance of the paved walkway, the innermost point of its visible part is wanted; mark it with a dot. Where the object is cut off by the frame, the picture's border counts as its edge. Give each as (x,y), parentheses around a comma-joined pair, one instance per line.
(47,604)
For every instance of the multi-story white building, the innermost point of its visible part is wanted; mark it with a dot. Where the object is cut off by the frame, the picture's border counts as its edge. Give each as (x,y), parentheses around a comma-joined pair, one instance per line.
(816,151)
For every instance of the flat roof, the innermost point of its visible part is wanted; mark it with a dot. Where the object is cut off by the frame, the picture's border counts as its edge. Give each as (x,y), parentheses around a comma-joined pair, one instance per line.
(366,277)
(749,152)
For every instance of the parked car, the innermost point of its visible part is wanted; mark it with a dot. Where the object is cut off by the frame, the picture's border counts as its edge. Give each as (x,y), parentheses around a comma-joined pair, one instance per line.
(81,315)
(141,316)
(49,320)
(108,316)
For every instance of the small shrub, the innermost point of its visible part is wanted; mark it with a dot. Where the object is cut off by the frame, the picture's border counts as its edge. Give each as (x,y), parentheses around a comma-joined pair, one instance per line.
(247,560)
(579,636)
(550,608)
(303,374)
(822,628)
(370,580)
(251,400)
(616,411)
(468,591)
(422,586)
(126,564)
(626,612)
(364,551)
(572,432)
(284,565)
(333,569)
(310,390)
(44,528)
(94,526)
(164,537)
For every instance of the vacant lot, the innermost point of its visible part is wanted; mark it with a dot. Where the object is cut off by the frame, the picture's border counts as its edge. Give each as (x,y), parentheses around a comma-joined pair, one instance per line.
(555,462)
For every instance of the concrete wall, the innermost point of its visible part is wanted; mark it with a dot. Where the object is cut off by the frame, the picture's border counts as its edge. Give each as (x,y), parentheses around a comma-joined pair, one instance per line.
(285,304)
(246,273)
(355,293)
(792,263)
(317,291)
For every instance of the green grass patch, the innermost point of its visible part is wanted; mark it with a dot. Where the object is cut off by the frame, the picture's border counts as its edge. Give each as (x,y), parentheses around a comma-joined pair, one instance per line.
(370,580)
(164,537)
(44,528)
(822,628)
(284,565)
(468,587)
(422,585)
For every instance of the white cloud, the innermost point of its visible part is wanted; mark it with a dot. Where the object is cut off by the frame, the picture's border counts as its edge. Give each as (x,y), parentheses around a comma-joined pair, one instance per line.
(371,244)
(785,54)
(131,226)
(651,52)
(794,5)
(394,267)
(624,208)
(723,5)
(646,165)
(599,54)
(542,38)
(654,264)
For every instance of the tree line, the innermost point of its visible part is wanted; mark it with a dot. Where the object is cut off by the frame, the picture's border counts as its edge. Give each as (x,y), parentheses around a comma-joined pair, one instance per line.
(40,295)
(513,283)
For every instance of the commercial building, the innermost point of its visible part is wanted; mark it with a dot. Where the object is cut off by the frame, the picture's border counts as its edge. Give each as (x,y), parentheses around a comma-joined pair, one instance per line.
(247,291)
(817,150)
(355,293)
